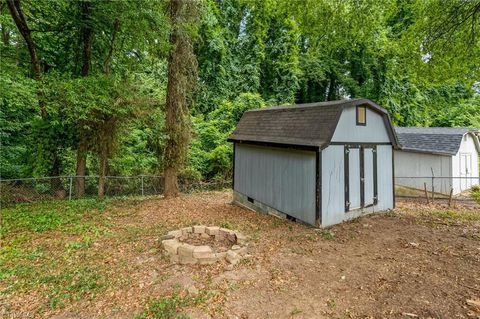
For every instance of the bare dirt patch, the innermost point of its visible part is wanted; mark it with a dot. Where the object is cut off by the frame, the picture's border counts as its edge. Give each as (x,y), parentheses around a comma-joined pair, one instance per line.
(418,261)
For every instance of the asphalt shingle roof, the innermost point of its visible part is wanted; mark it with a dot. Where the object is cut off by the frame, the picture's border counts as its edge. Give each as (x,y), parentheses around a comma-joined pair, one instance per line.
(310,125)
(435,140)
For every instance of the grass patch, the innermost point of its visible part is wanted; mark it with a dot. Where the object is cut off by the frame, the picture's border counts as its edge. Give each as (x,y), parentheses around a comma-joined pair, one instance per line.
(475,191)
(72,284)
(456,215)
(55,266)
(45,216)
(170,307)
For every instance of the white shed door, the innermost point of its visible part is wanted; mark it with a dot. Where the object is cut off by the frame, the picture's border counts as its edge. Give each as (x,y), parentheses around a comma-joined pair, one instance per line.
(354,178)
(466,170)
(360,176)
(368,176)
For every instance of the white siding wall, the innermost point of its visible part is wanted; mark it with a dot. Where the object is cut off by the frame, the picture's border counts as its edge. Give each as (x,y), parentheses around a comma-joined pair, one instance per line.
(384,177)
(412,164)
(467,147)
(333,191)
(347,131)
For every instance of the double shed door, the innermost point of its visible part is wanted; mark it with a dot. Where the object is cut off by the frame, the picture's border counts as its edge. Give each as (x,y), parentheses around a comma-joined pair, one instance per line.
(360,176)
(465,171)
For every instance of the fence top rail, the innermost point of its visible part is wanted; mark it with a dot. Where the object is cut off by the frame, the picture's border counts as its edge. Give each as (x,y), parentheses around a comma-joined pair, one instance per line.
(73,176)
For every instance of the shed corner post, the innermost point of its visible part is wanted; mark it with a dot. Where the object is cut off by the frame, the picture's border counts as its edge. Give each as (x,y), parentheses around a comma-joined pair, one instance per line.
(318,188)
(393,177)
(233,165)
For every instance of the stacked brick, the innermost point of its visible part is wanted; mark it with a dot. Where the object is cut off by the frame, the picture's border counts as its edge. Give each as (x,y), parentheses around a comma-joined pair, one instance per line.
(183,253)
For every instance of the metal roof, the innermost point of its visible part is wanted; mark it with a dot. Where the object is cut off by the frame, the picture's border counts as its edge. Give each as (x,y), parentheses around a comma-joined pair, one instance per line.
(433,140)
(307,125)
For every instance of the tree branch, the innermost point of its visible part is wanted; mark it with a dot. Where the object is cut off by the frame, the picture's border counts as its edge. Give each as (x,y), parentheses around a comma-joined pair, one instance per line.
(19,18)
(108,59)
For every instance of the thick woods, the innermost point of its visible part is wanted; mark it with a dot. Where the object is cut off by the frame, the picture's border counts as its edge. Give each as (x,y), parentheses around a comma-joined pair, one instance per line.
(154,87)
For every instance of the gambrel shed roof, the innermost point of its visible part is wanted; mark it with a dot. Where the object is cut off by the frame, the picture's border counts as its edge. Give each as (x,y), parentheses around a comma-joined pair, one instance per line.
(308,125)
(433,140)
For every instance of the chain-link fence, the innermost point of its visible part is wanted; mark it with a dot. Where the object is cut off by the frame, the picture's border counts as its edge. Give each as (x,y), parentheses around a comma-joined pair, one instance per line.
(70,187)
(439,187)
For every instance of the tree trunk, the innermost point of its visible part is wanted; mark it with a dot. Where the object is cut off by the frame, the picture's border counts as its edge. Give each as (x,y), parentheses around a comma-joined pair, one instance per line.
(15,8)
(82,148)
(332,89)
(171,188)
(182,68)
(18,17)
(103,170)
(81,167)
(55,181)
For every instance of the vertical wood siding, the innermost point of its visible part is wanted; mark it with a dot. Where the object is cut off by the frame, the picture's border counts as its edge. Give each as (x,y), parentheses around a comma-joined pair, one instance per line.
(333,185)
(280,178)
(333,182)
(374,131)
(385,177)
(467,151)
(368,166)
(412,164)
(354,178)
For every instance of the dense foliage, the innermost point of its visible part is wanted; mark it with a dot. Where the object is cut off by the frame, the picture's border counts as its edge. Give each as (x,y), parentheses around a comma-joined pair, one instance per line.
(101,88)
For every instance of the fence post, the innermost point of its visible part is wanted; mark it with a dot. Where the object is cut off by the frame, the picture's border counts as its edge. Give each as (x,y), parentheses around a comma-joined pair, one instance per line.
(433,185)
(70,189)
(142,185)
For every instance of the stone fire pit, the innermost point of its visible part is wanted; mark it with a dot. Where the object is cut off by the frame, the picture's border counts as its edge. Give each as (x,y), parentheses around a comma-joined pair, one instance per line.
(204,245)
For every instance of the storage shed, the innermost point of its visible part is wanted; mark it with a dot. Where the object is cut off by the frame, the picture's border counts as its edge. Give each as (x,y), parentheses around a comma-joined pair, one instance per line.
(319,163)
(449,155)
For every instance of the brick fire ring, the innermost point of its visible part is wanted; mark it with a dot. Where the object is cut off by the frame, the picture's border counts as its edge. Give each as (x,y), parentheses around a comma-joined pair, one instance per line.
(184,253)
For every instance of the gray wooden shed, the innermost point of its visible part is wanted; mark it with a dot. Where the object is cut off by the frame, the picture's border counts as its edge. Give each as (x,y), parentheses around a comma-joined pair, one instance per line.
(448,154)
(319,163)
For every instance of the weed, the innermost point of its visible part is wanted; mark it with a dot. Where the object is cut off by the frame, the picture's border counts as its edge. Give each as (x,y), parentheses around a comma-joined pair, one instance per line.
(72,284)
(165,308)
(296,311)
(331,304)
(226,224)
(327,234)
(475,191)
(456,215)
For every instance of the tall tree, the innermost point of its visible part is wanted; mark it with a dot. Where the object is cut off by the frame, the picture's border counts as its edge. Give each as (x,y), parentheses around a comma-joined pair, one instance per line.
(86,35)
(182,69)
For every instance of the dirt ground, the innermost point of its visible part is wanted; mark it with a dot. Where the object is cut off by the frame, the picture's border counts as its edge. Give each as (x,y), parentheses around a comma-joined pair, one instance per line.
(416,262)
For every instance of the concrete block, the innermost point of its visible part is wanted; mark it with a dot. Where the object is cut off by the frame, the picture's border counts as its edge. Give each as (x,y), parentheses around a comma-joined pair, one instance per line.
(171,246)
(221,255)
(187,260)
(164,237)
(241,239)
(242,251)
(228,234)
(232,257)
(203,252)
(198,229)
(212,230)
(174,258)
(175,233)
(226,231)
(207,261)
(186,230)
(186,250)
